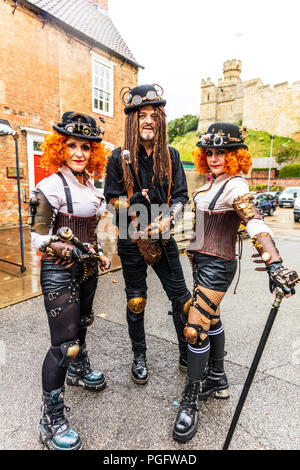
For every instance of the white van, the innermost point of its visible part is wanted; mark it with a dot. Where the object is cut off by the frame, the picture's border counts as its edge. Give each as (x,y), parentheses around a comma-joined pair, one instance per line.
(288,196)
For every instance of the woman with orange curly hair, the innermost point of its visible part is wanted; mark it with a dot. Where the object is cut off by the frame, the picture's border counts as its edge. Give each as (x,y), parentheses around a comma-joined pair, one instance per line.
(67,205)
(220,207)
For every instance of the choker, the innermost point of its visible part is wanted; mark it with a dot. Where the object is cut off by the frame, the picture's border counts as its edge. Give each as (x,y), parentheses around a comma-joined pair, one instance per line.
(78,173)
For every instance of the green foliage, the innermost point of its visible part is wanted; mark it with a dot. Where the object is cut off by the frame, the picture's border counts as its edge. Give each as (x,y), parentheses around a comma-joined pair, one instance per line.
(292,170)
(177,127)
(259,142)
(186,145)
(287,152)
(264,187)
(191,125)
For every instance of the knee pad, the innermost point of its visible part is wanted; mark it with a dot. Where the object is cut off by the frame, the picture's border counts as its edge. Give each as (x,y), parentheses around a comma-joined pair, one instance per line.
(87,320)
(186,307)
(137,304)
(69,351)
(195,334)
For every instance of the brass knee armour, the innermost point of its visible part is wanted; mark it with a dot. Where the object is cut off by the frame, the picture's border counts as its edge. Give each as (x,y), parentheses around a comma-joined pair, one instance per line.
(194,332)
(69,351)
(137,304)
(186,307)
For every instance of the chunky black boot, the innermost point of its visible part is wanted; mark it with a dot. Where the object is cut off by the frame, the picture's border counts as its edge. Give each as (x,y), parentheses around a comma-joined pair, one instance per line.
(79,373)
(55,431)
(186,423)
(214,382)
(139,370)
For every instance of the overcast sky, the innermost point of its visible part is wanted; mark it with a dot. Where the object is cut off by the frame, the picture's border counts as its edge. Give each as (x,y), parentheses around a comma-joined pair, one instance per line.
(179,42)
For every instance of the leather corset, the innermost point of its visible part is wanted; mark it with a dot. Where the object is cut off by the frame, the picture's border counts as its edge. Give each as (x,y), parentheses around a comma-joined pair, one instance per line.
(218,234)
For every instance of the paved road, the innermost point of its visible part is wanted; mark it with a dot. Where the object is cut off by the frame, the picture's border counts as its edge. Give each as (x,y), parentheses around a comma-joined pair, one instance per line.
(128,416)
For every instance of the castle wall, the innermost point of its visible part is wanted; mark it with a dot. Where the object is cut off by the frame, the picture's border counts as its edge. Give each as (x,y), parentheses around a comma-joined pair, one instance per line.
(258,106)
(274,110)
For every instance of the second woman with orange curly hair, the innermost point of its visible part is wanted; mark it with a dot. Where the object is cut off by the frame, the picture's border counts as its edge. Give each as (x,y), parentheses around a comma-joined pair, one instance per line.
(220,206)
(64,215)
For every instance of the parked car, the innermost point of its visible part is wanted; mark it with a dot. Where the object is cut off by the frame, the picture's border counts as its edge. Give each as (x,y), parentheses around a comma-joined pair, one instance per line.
(297,209)
(276,195)
(288,196)
(269,197)
(265,202)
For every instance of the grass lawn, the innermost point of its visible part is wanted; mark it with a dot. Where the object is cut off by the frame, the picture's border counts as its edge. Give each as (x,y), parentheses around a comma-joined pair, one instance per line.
(259,144)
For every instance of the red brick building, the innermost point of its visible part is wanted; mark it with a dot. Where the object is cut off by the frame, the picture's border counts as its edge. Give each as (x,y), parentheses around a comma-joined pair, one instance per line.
(56,56)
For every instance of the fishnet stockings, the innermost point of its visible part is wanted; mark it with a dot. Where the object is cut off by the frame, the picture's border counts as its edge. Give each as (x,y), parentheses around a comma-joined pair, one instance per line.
(201,311)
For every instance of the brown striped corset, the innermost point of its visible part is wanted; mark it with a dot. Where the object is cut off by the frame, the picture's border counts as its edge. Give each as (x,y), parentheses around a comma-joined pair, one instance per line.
(83,228)
(220,234)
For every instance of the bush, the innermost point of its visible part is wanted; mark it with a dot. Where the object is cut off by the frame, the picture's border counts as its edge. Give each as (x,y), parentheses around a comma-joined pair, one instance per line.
(292,170)
(191,125)
(287,152)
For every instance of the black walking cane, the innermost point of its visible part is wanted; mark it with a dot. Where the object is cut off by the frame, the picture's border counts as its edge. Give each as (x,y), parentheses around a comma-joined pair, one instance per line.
(279,294)
(127,157)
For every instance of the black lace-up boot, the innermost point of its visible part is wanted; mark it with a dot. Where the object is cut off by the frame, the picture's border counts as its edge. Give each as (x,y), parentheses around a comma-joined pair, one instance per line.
(186,423)
(80,373)
(214,382)
(139,370)
(55,431)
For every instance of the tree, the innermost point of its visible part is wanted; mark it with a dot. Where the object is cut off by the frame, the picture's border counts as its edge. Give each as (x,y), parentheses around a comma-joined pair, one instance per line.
(177,127)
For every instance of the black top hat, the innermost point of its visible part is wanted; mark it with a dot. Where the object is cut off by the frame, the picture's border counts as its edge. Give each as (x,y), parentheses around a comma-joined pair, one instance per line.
(80,125)
(223,135)
(142,95)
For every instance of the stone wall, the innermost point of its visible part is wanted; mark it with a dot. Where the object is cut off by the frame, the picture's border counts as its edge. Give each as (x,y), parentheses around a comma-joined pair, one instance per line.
(273,110)
(258,106)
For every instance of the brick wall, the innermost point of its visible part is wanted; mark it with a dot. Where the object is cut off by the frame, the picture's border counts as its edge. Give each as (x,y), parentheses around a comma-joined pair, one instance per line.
(43,73)
(284,182)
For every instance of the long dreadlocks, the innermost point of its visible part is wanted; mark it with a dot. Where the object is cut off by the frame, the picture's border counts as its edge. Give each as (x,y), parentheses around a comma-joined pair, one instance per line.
(161,156)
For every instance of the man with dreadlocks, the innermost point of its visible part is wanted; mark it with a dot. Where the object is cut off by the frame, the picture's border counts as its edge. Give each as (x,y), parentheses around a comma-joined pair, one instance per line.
(152,178)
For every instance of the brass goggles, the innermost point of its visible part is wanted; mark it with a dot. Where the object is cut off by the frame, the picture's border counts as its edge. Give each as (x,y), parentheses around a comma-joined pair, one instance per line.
(137,99)
(79,128)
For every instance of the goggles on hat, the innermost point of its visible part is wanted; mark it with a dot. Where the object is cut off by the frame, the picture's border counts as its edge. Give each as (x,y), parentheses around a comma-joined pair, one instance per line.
(214,139)
(137,99)
(76,127)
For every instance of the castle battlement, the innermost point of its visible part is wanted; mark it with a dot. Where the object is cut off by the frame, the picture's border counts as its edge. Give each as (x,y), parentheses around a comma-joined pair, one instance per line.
(207,82)
(232,65)
(258,106)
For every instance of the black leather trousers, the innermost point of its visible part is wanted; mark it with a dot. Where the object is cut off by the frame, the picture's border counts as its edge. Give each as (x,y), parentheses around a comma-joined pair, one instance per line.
(66,302)
(135,274)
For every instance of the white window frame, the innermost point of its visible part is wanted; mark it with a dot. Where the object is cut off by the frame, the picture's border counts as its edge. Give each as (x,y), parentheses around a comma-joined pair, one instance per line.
(110,65)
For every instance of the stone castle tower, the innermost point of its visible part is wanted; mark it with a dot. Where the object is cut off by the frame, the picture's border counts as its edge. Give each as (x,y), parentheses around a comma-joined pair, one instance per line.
(250,102)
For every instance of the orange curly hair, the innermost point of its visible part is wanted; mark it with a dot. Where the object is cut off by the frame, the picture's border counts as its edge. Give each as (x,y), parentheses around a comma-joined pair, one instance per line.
(55,153)
(237,161)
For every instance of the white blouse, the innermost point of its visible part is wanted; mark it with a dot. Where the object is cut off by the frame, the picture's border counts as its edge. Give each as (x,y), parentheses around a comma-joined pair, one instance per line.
(233,189)
(87,200)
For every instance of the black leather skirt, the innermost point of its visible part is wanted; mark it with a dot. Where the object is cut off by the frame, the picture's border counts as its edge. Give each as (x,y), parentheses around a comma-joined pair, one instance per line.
(212,272)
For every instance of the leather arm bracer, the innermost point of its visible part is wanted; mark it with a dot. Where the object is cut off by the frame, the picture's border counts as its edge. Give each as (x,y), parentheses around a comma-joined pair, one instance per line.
(246,208)
(58,249)
(266,248)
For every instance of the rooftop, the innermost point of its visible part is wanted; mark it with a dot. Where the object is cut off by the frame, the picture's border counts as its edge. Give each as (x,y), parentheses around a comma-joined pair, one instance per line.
(83,17)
